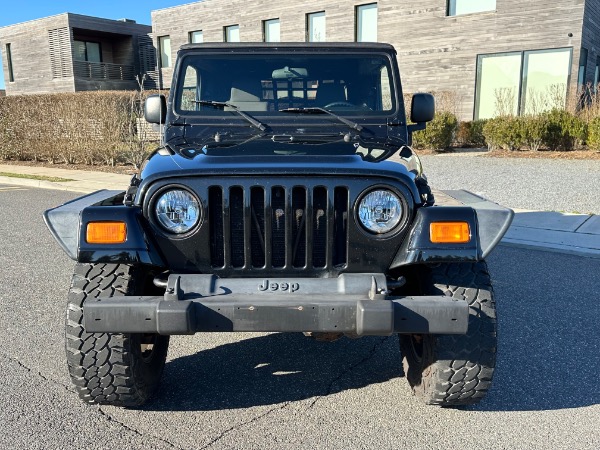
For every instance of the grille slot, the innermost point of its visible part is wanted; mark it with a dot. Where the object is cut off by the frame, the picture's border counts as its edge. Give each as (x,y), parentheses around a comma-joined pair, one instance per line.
(319,224)
(298,227)
(236,217)
(279,227)
(215,221)
(257,235)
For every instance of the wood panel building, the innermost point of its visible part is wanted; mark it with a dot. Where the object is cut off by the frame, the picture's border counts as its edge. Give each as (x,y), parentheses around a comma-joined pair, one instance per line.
(492,55)
(70,52)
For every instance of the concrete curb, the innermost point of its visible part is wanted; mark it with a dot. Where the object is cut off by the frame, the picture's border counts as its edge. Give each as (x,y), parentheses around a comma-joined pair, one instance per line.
(551,247)
(42,184)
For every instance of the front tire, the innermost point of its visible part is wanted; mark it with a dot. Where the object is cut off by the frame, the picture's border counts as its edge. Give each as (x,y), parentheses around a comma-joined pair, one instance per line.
(455,370)
(111,368)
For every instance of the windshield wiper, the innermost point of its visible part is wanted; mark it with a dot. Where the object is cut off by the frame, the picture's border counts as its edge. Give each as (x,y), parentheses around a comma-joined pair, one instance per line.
(316,109)
(255,123)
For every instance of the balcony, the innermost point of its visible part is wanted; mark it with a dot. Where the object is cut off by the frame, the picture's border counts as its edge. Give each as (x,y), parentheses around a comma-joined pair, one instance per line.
(103,71)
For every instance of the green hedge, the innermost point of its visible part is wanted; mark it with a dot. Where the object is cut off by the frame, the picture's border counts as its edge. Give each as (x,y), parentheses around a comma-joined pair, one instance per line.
(439,133)
(593,138)
(553,130)
(563,130)
(504,132)
(470,134)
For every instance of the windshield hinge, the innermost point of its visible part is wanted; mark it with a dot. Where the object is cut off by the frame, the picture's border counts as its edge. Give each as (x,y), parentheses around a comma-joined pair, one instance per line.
(132,190)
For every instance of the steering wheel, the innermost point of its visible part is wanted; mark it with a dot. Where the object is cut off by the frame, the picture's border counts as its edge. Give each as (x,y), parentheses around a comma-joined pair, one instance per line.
(337,104)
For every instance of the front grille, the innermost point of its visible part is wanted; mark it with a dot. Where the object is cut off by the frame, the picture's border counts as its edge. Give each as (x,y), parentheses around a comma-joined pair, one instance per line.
(278,227)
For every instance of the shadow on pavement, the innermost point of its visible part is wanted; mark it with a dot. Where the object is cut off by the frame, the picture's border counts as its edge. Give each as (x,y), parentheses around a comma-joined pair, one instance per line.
(548,351)
(272,369)
(549,332)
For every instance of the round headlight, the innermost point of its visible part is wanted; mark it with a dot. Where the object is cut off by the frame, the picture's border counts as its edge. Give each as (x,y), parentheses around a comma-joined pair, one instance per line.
(177,211)
(380,211)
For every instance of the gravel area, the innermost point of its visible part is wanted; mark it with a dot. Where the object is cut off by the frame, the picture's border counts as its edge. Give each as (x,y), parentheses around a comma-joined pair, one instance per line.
(534,184)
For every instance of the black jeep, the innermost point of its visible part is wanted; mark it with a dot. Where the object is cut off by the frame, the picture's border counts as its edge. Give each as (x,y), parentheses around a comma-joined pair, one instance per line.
(284,197)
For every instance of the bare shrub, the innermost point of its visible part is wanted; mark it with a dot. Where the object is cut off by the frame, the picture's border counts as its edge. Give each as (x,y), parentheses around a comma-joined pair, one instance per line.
(504,101)
(140,138)
(84,127)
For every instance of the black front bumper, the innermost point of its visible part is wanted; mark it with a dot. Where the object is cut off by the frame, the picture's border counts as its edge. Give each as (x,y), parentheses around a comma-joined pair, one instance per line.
(352,304)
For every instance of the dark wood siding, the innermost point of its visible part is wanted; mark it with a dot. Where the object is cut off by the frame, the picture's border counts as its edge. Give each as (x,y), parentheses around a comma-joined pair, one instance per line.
(31,59)
(42,52)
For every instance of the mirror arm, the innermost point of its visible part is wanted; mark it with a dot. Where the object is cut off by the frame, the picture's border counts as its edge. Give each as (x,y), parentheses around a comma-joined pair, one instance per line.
(416,127)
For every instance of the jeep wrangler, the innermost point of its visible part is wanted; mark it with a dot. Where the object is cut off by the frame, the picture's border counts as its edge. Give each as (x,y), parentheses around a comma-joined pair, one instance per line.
(284,197)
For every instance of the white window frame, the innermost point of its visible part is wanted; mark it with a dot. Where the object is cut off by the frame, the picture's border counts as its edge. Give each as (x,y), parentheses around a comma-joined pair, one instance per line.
(229,33)
(476,6)
(270,35)
(311,25)
(193,34)
(164,52)
(360,34)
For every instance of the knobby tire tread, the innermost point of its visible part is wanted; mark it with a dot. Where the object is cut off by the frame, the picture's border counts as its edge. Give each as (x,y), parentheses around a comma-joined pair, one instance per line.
(106,368)
(457,370)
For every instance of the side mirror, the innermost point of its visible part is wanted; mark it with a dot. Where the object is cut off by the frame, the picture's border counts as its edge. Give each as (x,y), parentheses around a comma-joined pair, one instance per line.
(155,109)
(422,108)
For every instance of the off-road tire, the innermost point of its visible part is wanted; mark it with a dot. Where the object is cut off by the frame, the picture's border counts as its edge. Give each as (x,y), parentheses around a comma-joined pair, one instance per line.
(455,370)
(111,368)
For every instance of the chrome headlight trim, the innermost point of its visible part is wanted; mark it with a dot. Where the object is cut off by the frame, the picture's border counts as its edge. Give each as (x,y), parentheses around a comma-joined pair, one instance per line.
(380,211)
(177,210)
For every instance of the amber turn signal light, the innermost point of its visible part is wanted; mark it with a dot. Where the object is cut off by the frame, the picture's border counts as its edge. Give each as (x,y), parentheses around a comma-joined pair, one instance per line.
(449,232)
(106,233)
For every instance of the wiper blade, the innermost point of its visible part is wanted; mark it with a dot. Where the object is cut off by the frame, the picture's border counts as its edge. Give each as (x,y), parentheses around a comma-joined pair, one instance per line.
(255,123)
(316,109)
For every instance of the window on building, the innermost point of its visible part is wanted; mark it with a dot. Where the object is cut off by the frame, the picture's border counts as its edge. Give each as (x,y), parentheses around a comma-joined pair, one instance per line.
(271,30)
(545,79)
(516,83)
(315,27)
(196,37)
(87,51)
(582,73)
(458,7)
(366,23)
(164,50)
(232,33)
(11,75)
(498,80)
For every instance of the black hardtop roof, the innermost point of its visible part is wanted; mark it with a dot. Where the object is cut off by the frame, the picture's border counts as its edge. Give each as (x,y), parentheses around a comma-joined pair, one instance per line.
(291,46)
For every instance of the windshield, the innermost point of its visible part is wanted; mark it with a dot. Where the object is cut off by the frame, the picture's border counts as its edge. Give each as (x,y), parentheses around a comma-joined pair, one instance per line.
(352,84)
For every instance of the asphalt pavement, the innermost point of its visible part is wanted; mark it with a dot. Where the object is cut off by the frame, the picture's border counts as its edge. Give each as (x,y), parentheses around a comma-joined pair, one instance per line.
(282,391)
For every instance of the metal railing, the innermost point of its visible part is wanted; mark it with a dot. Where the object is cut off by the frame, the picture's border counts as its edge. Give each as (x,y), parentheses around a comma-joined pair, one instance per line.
(103,71)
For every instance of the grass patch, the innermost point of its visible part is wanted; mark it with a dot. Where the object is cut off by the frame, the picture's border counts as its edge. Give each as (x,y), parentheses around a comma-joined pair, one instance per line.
(35,177)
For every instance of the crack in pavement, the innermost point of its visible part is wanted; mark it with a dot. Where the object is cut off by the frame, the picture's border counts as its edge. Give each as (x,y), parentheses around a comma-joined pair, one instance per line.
(348,370)
(286,404)
(38,373)
(248,422)
(126,427)
(71,390)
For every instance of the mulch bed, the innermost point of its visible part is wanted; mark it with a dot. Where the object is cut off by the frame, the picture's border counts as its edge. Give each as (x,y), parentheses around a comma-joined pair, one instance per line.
(540,154)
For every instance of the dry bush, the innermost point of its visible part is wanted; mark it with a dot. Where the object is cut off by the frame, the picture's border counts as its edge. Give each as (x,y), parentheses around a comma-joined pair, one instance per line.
(445,101)
(84,127)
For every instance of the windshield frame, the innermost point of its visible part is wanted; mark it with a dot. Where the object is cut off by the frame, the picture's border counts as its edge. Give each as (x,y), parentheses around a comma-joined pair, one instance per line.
(275,118)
